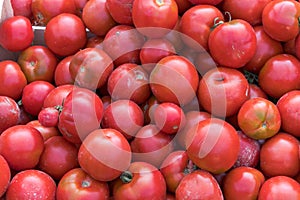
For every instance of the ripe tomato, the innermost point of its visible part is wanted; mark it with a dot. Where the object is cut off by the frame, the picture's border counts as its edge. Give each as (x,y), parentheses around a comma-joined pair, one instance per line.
(38,63)
(31,184)
(57,96)
(207,187)
(211,2)
(275,20)
(207,145)
(21,155)
(259,118)
(256,91)
(49,116)
(65,34)
(21,7)
(104,154)
(12,81)
(5,175)
(140,181)
(120,10)
(154,18)
(9,114)
(16,33)
(76,184)
(46,132)
(239,46)
(62,74)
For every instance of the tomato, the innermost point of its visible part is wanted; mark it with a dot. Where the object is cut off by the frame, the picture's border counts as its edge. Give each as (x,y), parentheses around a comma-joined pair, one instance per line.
(163,76)
(238,48)
(148,109)
(62,74)
(104,154)
(65,34)
(49,116)
(38,63)
(46,132)
(211,2)
(76,184)
(34,95)
(151,145)
(129,81)
(266,47)
(57,96)
(21,7)
(79,6)
(222,91)
(279,187)
(39,185)
(14,81)
(95,41)
(82,113)
(44,10)
(9,114)
(195,25)
(21,146)
(5,175)
(125,116)
(259,118)
(169,118)
(59,156)
(97,18)
(256,91)
(183,6)
(207,187)
(16,33)
(154,18)
(24,117)
(242,183)
(90,68)
(140,181)
(120,11)
(288,108)
(280,74)
(280,156)
(207,145)
(275,20)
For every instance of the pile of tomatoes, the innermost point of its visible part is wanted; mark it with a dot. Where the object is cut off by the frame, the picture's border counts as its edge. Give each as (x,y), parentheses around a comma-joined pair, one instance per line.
(150,99)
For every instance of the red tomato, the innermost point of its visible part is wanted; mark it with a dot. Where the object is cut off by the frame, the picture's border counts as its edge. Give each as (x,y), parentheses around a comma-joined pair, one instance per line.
(242,183)
(5,175)
(211,2)
(90,68)
(9,114)
(256,91)
(259,118)
(196,24)
(76,184)
(82,113)
(207,145)
(16,33)
(95,41)
(31,184)
(140,181)
(125,116)
(34,95)
(62,75)
(46,132)
(120,10)
(232,44)
(154,18)
(104,154)
(206,187)
(12,81)
(280,74)
(97,18)
(49,116)
(21,7)
(183,6)
(275,20)
(38,63)
(279,187)
(57,96)
(171,68)
(21,146)
(65,34)
(59,156)
(222,91)
(148,109)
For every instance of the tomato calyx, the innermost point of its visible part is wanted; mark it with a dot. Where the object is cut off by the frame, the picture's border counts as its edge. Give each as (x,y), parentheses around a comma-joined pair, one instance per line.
(86,183)
(251,77)
(218,22)
(160,2)
(190,167)
(126,177)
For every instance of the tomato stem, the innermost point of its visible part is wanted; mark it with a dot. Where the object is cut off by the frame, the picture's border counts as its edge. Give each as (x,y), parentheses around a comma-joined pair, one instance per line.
(126,177)
(160,2)
(190,167)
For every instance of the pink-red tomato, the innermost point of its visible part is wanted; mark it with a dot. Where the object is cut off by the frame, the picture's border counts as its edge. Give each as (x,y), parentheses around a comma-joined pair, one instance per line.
(46,132)
(21,7)
(10,112)
(120,10)
(5,175)
(256,91)
(49,116)
(62,75)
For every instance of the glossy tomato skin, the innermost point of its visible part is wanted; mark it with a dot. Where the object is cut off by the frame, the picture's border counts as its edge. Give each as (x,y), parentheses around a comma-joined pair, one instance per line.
(256,91)
(49,116)
(120,11)
(280,74)
(20,155)
(239,46)
(12,71)
(46,132)
(5,175)
(96,11)
(259,118)
(100,145)
(154,18)
(10,113)
(77,184)
(62,74)
(21,7)
(16,33)
(207,145)
(65,34)
(146,182)
(279,187)
(207,187)
(275,22)
(39,185)
(57,96)
(242,182)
